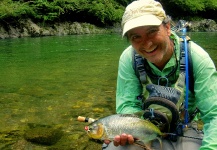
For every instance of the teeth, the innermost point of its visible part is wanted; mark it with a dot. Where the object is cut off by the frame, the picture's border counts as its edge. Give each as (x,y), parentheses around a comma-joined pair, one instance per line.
(150,50)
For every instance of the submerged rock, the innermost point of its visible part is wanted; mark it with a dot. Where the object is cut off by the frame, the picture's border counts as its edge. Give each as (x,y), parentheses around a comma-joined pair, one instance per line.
(43,134)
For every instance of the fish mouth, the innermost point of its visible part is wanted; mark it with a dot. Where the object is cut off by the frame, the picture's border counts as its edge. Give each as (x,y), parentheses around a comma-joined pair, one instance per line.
(86,128)
(95,132)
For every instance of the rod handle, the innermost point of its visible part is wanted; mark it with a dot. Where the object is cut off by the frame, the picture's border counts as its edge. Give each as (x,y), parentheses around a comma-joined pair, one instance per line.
(85,119)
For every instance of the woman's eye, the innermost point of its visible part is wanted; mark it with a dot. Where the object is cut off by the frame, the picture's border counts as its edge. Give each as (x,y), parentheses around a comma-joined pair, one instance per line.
(152,31)
(135,38)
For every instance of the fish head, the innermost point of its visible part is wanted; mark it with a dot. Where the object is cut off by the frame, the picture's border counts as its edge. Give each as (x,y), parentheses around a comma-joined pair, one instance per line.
(95,130)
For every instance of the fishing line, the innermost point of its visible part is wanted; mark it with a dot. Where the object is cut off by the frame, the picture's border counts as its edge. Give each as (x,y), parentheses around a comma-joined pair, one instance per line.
(141,145)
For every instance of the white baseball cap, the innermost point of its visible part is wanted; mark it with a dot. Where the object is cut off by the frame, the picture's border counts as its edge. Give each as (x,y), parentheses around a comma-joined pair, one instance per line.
(142,13)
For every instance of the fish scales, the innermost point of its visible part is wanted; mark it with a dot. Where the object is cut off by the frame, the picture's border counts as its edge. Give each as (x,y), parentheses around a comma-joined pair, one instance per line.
(110,126)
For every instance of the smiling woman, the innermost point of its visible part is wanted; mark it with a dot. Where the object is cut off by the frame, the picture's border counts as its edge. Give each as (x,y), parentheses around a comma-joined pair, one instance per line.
(164,94)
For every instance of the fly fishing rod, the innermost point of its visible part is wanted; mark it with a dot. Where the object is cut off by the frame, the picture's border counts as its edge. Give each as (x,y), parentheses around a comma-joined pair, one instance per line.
(85,119)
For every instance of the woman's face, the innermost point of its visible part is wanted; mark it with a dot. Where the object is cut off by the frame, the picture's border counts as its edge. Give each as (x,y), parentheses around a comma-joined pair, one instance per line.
(153,43)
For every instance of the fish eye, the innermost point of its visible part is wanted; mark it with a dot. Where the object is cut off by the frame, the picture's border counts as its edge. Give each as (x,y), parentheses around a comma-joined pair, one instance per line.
(93,127)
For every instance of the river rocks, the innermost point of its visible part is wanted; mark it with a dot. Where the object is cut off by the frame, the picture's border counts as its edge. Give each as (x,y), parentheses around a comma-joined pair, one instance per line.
(27,28)
(206,25)
(3,33)
(43,134)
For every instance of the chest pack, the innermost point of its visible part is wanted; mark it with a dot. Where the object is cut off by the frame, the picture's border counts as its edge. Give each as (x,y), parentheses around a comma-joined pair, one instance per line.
(164,105)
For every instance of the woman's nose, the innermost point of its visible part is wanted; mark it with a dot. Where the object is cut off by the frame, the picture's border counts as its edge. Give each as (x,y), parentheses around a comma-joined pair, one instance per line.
(147,44)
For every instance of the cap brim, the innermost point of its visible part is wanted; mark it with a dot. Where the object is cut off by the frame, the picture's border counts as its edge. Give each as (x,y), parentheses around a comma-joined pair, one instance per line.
(145,20)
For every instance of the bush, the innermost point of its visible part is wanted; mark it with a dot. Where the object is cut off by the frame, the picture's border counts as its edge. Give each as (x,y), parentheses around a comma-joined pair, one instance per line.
(8,9)
(98,12)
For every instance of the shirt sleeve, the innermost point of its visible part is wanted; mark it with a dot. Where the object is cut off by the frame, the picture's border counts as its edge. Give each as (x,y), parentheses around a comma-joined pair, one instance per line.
(205,87)
(128,85)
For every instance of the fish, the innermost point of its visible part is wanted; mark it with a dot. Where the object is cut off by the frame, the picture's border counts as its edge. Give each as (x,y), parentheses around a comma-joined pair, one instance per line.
(108,127)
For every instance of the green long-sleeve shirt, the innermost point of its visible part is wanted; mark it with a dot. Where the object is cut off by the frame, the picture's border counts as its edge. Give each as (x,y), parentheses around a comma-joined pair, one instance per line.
(205,87)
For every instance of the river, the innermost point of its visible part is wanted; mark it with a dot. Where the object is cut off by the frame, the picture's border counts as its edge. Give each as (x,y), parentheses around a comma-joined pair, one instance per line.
(50,81)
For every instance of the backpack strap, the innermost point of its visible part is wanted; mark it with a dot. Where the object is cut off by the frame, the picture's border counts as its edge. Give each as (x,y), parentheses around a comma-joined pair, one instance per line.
(139,67)
(190,63)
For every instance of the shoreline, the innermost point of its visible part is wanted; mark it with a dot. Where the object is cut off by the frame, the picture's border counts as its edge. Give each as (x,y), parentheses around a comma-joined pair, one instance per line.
(27,28)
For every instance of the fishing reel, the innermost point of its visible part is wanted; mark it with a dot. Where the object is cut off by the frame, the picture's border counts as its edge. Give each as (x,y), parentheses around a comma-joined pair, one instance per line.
(157,118)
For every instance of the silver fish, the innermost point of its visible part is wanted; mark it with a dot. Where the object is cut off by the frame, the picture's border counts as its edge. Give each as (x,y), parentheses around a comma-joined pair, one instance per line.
(110,126)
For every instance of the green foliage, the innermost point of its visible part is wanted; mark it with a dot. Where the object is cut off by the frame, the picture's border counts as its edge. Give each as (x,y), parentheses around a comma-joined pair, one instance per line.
(189,5)
(195,5)
(46,11)
(211,4)
(105,12)
(124,2)
(8,8)
(185,9)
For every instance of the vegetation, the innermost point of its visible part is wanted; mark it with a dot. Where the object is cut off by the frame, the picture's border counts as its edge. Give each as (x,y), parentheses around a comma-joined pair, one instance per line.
(98,12)
(92,11)
(191,8)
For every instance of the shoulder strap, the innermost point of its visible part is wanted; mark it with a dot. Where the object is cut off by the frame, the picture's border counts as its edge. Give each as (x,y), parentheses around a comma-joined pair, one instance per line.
(190,64)
(139,67)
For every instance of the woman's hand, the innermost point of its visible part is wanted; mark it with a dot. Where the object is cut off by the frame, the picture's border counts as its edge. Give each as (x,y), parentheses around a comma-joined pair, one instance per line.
(122,140)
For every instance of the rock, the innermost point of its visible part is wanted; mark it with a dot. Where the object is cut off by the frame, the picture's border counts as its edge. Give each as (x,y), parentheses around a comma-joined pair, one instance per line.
(3,33)
(26,27)
(33,29)
(25,32)
(205,25)
(42,134)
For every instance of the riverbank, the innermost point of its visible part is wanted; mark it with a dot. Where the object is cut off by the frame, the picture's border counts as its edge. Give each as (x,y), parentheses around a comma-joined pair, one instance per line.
(28,28)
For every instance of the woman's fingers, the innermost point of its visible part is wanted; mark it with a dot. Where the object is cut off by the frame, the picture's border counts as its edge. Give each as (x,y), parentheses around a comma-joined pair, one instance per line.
(123,139)
(117,140)
(130,139)
(107,141)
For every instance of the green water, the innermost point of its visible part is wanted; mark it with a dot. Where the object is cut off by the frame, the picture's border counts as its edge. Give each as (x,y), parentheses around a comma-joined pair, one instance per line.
(53,80)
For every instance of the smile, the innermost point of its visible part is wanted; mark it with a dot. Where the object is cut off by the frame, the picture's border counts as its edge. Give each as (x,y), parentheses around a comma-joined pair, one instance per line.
(152,50)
